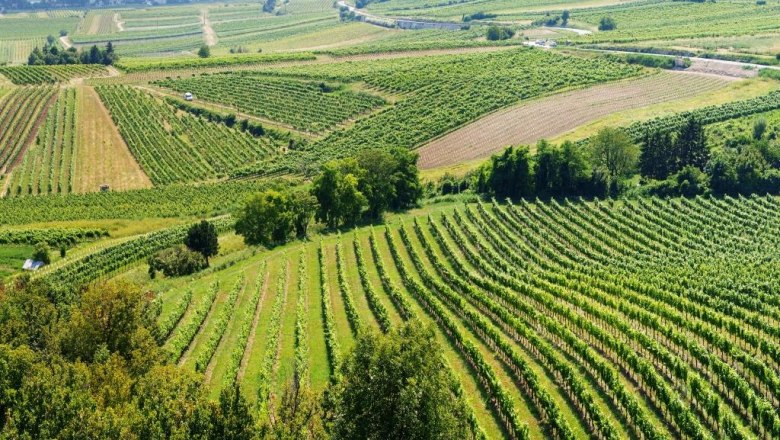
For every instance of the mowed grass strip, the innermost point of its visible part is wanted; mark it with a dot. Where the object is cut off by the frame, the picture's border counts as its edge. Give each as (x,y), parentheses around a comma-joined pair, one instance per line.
(243,315)
(319,367)
(102,155)
(554,115)
(252,372)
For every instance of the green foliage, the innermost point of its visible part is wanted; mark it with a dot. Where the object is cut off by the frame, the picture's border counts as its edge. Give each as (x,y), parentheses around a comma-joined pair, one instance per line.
(440,93)
(403,371)
(607,24)
(496,33)
(171,147)
(54,237)
(41,253)
(272,217)
(202,238)
(161,202)
(305,105)
(340,200)
(299,415)
(204,51)
(366,187)
(614,152)
(176,261)
(106,260)
(173,63)
(36,75)
(759,129)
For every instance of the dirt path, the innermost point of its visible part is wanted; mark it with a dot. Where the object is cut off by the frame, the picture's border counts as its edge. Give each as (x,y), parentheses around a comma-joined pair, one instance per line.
(570,29)
(722,68)
(551,116)
(209,36)
(120,25)
(65,40)
(250,342)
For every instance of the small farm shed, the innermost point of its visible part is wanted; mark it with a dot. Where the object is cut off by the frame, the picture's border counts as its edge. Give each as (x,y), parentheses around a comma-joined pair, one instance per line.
(32,265)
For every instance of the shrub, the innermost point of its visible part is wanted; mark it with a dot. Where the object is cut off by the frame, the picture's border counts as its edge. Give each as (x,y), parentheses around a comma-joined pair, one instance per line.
(204,51)
(607,24)
(41,253)
(176,261)
(496,33)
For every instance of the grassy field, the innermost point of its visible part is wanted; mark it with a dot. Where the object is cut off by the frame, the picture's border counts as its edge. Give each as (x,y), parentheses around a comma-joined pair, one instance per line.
(12,258)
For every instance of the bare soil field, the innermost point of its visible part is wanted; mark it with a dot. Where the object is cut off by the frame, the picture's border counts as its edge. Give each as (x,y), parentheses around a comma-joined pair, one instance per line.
(548,117)
(103,156)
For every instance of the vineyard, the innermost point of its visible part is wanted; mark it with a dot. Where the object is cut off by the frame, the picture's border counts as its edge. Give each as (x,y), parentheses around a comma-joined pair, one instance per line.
(441,93)
(561,319)
(49,165)
(305,106)
(173,147)
(162,202)
(21,114)
(30,75)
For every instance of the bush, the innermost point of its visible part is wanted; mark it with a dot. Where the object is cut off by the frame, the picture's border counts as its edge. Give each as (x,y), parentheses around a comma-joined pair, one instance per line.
(607,24)
(176,261)
(496,33)
(204,51)
(41,253)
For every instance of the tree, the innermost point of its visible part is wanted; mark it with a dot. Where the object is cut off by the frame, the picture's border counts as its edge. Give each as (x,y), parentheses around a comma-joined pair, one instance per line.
(658,157)
(176,261)
(612,151)
(510,174)
(41,253)
(565,18)
(396,387)
(231,418)
(204,51)
(574,169)
(299,415)
(406,178)
(759,128)
(172,405)
(303,206)
(203,238)
(336,188)
(265,219)
(723,174)
(691,146)
(547,169)
(377,181)
(269,6)
(607,24)
(496,33)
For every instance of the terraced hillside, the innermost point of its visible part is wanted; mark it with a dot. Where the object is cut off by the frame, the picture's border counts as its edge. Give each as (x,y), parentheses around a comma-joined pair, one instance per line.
(642,318)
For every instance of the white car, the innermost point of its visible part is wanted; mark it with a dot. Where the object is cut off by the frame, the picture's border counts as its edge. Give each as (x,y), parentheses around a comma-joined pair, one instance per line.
(188,96)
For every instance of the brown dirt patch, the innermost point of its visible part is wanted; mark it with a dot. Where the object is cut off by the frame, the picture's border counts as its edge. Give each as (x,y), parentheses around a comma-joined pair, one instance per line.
(551,116)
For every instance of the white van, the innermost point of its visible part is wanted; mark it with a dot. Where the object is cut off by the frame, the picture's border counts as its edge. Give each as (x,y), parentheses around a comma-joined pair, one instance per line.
(188,96)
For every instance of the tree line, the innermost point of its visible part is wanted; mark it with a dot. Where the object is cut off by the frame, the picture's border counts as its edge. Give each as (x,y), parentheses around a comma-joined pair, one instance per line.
(681,162)
(345,193)
(52,54)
